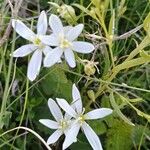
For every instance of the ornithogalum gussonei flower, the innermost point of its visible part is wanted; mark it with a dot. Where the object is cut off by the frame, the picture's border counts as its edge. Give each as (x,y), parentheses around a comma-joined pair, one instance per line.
(65,43)
(37,46)
(61,125)
(76,110)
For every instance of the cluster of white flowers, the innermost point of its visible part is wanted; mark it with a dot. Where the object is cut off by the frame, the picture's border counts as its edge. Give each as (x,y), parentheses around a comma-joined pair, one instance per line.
(62,39)
(73,120)
(59,44)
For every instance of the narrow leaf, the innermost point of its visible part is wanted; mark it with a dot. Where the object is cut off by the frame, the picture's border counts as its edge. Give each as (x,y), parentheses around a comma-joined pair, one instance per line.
(118,111)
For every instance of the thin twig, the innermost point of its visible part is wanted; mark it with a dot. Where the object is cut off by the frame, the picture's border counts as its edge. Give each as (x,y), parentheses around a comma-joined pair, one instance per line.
(120,37)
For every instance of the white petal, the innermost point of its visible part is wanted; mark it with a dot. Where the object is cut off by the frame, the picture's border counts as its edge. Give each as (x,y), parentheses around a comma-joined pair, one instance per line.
(24,50)
(55,110)
(67,29)
(55,24)
(42,24)
(67,116)
(49,123)
(53,57)
(50,40)
(34,65)
(69,57)
(77,103)
(98,113)
(54,137)
(92,137)
(74,32)
(71,135)
(47,49)
(66,107)
(83,47)
(23,30)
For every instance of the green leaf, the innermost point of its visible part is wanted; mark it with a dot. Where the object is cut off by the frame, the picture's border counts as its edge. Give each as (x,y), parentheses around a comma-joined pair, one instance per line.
(118,111)
(146,24)
(82,8)
(96,2)
(139,112)
(98,126)
(56,84)
(82,143)
(4,119)
(144,54)
(112,24)
(34,102)
(119,137)
(138,131)
(131,63)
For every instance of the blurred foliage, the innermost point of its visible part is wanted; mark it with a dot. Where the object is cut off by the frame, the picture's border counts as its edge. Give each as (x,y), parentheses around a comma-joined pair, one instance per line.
(107,19)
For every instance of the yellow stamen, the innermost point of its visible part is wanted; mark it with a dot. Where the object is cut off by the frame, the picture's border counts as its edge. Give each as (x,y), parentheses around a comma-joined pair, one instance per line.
(37,41)
(64,43)
(81,119)
(63,124)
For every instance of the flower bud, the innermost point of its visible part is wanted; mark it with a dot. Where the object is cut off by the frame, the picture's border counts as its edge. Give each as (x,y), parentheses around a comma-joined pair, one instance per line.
(91,95)
(89,69)
(67,12)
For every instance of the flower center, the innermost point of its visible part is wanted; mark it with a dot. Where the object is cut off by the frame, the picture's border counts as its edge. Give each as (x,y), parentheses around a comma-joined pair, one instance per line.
(81,119)
(64,43)
(38,43)
(63,124)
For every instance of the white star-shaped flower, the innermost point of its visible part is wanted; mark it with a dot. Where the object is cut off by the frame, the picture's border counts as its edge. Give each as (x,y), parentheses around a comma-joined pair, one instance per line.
(62,124)
(37,46)
(64,42)
(76,110)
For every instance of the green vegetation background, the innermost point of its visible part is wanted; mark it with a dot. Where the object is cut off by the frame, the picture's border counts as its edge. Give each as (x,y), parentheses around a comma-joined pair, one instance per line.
(26,104)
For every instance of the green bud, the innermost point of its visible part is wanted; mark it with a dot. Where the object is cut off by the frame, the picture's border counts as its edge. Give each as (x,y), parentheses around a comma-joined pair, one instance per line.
(91,95)
(68,13)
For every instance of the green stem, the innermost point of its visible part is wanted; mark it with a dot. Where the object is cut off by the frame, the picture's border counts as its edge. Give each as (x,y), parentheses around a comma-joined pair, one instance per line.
(5,95)
(111,54)
(24,108)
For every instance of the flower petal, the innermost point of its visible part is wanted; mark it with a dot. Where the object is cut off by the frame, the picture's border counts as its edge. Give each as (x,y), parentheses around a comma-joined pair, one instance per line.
(42,24)
(55,110)
(55,24)
(67,29)
(71,135)
(24,50)
(54,137)
(83,47)
(92,137)
(53,57)
(66,107)
(23,30)
(77,103)
(34,65)
(67,116)
(74,32)
(98,113)
(47,49)
(69,57)
(50,40)
(49,123)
